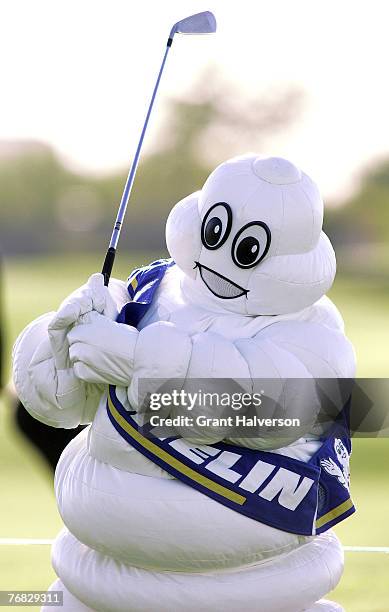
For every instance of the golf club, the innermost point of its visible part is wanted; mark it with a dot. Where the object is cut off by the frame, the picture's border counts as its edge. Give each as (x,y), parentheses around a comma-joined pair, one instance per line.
(200,23)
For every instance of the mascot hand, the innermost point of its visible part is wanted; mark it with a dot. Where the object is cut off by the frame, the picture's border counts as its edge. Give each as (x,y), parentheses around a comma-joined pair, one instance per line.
(93,296)
(101,350)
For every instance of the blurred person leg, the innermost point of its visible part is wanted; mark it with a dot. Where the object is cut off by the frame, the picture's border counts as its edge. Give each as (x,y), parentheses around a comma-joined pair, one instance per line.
(50,442)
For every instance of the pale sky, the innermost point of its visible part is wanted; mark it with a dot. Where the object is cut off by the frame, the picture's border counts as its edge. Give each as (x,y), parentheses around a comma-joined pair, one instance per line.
(79,73)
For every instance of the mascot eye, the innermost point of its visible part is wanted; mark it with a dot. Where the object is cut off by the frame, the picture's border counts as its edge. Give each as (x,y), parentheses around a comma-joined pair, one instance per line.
(216,226)
(251,244)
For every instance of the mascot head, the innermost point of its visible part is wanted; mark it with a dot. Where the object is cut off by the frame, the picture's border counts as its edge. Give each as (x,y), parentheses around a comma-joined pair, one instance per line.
(251,240)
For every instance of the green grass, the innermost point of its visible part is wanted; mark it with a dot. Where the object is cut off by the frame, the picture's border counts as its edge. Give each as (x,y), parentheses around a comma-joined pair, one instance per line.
(27,507)
(364,304)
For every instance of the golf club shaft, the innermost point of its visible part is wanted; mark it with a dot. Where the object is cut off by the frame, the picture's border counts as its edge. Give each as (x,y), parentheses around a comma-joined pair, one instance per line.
(110,256)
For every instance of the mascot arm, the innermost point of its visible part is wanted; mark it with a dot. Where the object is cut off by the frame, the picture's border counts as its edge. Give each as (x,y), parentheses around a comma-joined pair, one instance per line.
(207,364)
(44,378)
(217,375)
(324,351)
(297,365)
(167,358)
(38,382)
(287,363)
(287,389)
(160,358)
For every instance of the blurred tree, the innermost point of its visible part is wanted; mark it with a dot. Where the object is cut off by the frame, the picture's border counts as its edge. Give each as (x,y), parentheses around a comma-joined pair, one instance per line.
(212,122)
(220,122)
(370,205)
(364,217)
(30,176)
(359,228)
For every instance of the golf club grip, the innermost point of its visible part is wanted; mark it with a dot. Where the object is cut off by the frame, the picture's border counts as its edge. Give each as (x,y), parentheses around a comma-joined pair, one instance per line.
(108,265)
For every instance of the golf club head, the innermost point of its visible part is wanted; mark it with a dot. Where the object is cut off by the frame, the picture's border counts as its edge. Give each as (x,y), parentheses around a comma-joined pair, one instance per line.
(200,23)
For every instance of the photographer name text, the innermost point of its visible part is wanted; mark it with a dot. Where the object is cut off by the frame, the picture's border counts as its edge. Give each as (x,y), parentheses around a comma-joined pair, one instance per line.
(229,421)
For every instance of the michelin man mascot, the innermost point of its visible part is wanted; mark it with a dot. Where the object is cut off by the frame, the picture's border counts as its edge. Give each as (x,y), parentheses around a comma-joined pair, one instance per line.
(210,521)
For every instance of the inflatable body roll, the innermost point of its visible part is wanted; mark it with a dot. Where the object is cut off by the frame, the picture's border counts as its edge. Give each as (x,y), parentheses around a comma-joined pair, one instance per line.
(104,584)
(244,300)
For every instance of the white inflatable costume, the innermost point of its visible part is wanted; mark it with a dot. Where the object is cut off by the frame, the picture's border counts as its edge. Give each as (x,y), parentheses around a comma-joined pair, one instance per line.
(244,300)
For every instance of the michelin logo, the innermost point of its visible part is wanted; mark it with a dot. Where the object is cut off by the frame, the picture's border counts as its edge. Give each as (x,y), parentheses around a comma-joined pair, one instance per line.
(342,471)
(284,486)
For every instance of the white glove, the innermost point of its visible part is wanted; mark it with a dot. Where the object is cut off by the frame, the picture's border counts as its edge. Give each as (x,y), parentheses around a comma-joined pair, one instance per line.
(102,351)
(92,296)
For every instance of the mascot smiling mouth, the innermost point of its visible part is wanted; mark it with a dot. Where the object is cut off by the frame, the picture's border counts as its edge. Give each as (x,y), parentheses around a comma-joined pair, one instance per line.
(219,285)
